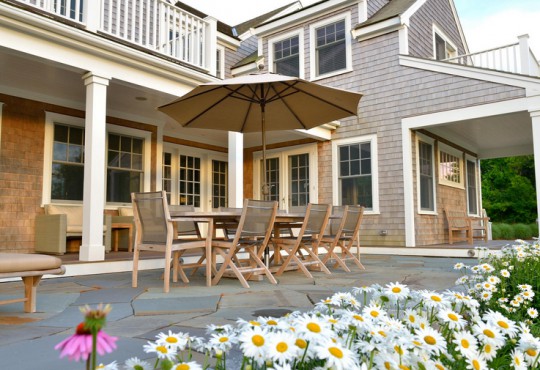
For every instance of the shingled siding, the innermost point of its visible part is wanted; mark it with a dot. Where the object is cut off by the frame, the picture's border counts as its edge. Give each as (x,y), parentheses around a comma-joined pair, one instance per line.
(373,6)
(436,12)
(232,57)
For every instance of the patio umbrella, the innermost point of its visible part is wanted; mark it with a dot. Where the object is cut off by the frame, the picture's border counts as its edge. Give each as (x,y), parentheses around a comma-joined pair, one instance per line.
(262,102)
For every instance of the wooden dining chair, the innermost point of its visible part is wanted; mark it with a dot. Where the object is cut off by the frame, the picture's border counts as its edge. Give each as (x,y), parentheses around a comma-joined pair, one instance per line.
(154,231)
(332,235)
(303,248)
(228,227)
(350,235)
(252,236)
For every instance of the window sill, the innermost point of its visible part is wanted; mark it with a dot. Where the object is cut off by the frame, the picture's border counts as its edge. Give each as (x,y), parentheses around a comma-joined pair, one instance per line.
(452,185)
(428,213)
(333,74)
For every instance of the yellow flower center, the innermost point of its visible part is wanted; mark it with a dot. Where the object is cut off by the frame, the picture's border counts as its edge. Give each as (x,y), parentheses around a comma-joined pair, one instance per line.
(487,348)
(282,347)
(415,342)
(258,340)
(503,324)
(531,352)
(300,343)
(436,298)
(223,339)
(398,349)
(489,333)
(396,289)
(439,367)
(333,321)
(182,367)
(387,366)
(382,333)
(358,317)
(171,340)
(465,343)
(430,340)
(374,313)
(162,349)
(271,322)
(476,364)
(517,361)
(453,317)
(255,323)
(403,367)
(313,327)
(412,318)
(336,352)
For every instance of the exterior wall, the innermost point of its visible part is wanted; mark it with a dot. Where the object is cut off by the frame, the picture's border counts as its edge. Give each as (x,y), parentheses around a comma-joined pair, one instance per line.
(436,12)
(21,167)
(232,57)
(373,6)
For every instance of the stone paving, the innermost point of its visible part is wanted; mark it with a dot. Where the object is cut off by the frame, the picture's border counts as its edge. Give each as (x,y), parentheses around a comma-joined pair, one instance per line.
(27,340)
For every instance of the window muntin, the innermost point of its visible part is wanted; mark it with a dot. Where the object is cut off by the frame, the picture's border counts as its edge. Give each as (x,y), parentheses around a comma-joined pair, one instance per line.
(298,180)
(189,181)
(330,48)
(287,56)
(472,188)
(219,184)
(124,167)
(272,178)
(355,174)
(443,48)
(167,175)
(426,176)
(68,163)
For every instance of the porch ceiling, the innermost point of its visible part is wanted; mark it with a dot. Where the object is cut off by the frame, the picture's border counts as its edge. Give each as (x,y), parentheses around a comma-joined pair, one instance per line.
(42,80)
(502,135)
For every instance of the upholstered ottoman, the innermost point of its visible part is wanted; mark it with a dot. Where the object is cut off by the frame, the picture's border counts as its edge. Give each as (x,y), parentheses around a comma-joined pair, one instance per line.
(31,268)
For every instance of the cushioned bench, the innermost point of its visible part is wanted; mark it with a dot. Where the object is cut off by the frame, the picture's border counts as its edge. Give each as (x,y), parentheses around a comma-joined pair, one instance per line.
(31,268)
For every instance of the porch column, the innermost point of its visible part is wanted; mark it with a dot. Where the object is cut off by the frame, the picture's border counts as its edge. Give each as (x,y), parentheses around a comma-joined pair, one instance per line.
(535,118)
(236,169)
(92,248)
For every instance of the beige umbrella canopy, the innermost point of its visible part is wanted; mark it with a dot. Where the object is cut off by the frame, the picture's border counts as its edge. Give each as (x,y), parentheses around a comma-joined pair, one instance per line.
(262,102)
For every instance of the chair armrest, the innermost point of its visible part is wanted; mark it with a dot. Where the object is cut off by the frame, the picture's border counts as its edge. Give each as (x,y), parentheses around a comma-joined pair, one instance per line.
(50,233)
(122,219)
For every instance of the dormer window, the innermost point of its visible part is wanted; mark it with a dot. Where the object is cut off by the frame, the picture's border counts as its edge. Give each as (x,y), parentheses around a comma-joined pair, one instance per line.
(287,56)
(443,48)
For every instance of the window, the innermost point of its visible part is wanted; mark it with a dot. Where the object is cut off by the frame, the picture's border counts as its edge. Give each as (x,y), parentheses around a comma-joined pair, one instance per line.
(189,181)
(472,188)
(219,183)
(287,57)
(167,175)
(298,180)
(426,175)
(450,166)
(68,163)
(124,167)
(272,178)
(330,46)
(220,63)
(442,46)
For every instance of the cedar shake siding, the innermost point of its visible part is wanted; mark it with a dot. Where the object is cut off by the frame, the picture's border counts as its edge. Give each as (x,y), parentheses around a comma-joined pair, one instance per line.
(373,6)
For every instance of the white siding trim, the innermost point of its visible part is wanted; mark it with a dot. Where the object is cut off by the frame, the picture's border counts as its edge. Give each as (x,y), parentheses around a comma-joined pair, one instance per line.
(362,11)
(408,193)
(430,141)
(470,158)
(404,40)
(437,31)
(372,139)
(301,58)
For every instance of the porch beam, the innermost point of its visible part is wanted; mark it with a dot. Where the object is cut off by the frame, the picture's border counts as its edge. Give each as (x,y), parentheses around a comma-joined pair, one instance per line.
(92,248)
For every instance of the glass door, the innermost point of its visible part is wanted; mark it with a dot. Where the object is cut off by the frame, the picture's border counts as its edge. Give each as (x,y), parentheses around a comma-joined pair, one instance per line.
(298,184)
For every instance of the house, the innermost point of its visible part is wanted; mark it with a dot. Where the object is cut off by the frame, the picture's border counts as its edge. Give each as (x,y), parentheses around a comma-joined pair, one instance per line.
(80,85)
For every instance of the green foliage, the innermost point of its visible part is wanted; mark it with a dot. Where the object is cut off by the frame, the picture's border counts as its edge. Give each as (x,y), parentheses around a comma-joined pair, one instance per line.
(496,231)
(522,231)
(506,232)
(508,189)
(534,229)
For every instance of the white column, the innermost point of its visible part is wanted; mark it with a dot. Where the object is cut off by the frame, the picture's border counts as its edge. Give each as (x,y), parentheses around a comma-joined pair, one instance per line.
(92,15)
(92,248)
(524,54)
(236,169)
(535,117)
(408,193)
(210,49)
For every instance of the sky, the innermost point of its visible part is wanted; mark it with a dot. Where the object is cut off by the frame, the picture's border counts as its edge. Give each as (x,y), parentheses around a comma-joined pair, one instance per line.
(486,23)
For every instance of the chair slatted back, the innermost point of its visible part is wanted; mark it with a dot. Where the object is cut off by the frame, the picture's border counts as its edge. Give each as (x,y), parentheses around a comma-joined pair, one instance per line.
(257,219)
(316,218)
(151,215)
(353,220)
(337,222)
(186,228)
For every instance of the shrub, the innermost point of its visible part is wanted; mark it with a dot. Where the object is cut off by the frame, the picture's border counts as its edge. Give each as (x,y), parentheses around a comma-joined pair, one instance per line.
(534,229)
(522,231)
(495,231)
(506,232)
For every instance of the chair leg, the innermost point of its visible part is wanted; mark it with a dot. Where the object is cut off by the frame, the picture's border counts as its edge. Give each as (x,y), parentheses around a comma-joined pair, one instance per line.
(261,264)
(30,292)
(314,258)
(227,262)
(167,272)
(134,274)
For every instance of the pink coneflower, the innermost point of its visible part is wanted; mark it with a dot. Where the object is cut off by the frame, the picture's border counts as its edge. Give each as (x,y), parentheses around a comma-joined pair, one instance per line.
(79,346)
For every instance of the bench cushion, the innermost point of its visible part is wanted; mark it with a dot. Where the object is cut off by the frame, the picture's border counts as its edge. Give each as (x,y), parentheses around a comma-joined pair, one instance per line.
(74,214)
(125,211)
(20,262)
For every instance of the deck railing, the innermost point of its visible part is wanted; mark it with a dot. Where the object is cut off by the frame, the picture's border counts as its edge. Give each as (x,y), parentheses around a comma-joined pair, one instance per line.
(514,58)
(152,24)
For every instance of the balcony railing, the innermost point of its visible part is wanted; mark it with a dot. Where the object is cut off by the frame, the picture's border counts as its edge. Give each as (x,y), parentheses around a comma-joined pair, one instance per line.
(514,58)
(152,24)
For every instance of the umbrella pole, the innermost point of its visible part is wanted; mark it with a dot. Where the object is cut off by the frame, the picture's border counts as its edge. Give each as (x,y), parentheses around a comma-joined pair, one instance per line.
(265,188)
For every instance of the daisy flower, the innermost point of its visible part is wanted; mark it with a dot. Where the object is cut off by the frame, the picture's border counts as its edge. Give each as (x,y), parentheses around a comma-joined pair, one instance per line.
(282,348)
(489,351)
(527,295)
(493,279)
(396,291)
(486,295)
(518,360)
(431,340)
(465,342)
(337,356)
(505,273)
(222,341)
(459,266)
(452,318)
(178,340)
(529,345)
(488,333)
(135,364)
(411,317)
(374,312)
(433,299)
(312,327)
(532,312)
(192,365)
(355,319)
(486,267)
(253,342)
(112,366)
(476,362)
(502,323)
(162,351)
(524,287)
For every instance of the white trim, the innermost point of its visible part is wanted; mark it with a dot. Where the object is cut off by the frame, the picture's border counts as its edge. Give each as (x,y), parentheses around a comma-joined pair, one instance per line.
(362,11)
(283,154)
(436,31)
(372,139)
(470,158)
(228,41)
(441,147)
(377,29)
(403,35)
(408,193)
(221,50)
(504,78)
(270,44)
(312,46)
(427,140)
(460,29)
(406,16)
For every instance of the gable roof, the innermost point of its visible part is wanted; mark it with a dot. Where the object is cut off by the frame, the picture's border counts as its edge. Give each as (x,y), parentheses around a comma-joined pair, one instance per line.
(245,26)
(393,9)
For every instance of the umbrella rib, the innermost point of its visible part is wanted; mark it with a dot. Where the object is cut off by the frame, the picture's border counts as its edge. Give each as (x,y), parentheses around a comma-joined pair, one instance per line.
(278,95)
(192,96)
(327,102)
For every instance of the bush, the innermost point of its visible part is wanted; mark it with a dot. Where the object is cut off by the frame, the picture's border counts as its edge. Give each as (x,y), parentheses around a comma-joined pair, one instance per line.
(495,231)
(506,232)
(522,231)
(534,229)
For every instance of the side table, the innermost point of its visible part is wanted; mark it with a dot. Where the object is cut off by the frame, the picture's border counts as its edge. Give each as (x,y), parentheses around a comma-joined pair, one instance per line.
(116,227)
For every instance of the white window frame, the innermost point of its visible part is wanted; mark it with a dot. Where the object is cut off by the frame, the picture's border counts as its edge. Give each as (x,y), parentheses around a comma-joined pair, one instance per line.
(372,139)
(451,52)
(52,118)
(288,35)
(427,140)
(283,155)
(457,153)
(221,71)
(470,158)
(313,46)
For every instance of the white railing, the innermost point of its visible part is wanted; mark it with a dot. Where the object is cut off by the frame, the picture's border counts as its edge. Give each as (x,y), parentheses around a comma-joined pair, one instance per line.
(514,58)
(153,24)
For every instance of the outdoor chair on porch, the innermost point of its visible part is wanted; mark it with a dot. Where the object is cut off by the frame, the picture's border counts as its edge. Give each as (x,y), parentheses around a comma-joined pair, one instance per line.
(348,237)
(252,236)
(155,232)
(332,235)
(302,250)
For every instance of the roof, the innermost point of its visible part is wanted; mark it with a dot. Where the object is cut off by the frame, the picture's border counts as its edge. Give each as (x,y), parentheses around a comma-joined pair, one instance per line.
(393,9)
(243,27)
(251,58)
(221,27)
